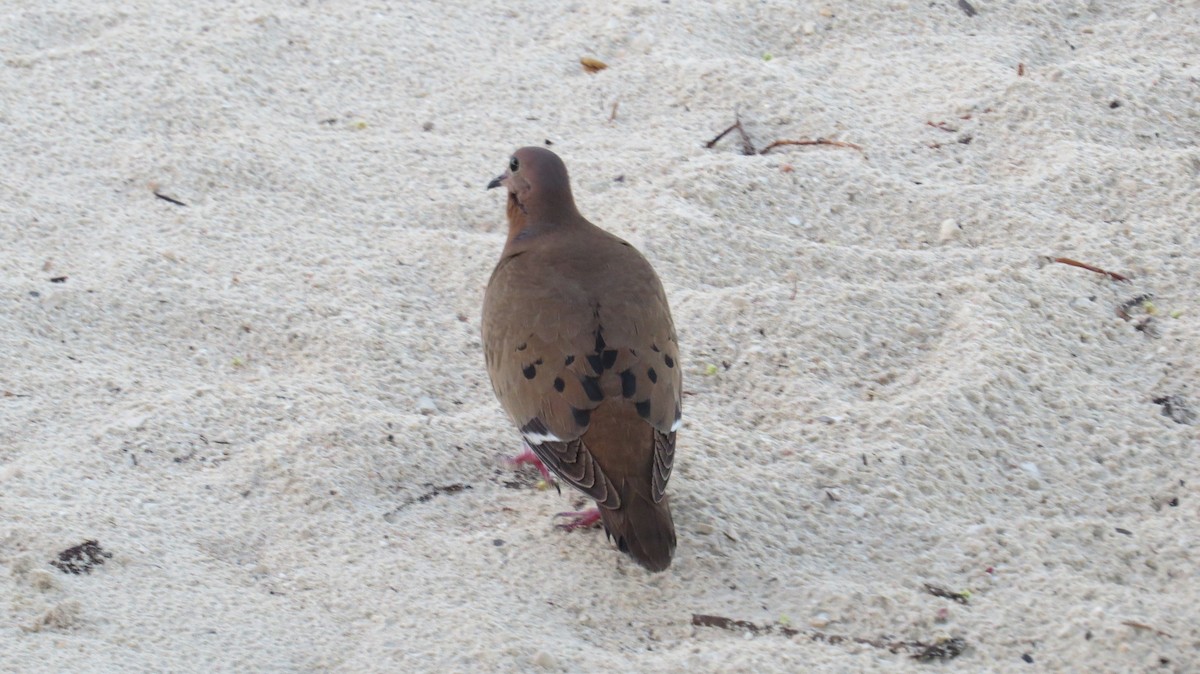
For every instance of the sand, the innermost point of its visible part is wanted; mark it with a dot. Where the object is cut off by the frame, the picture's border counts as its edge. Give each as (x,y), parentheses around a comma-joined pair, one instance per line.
(267,405)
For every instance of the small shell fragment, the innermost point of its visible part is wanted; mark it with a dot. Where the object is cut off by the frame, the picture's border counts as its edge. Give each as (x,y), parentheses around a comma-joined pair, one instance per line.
(592,65)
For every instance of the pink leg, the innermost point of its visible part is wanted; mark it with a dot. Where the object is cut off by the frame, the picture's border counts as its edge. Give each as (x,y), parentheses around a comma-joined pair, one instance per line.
(528,456)
(582,519)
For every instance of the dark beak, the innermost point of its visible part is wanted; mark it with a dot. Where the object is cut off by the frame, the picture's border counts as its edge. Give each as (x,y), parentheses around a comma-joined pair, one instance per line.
(497,181)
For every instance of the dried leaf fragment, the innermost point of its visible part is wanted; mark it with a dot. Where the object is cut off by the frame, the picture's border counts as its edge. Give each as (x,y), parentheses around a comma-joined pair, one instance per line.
(592,65)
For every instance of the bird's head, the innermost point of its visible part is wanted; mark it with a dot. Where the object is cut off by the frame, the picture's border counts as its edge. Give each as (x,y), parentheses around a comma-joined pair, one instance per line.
(539,191)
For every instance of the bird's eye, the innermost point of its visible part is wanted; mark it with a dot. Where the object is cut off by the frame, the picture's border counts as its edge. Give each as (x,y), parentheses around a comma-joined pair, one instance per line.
(513,164)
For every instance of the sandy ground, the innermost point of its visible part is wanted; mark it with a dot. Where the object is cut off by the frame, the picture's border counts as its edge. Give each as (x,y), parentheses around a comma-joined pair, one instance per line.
(268,406)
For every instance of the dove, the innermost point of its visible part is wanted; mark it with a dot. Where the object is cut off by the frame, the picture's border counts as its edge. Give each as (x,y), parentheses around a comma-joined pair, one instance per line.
(583,357)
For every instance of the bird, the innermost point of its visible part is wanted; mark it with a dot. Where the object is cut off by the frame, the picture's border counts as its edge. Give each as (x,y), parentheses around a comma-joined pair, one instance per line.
(583,357)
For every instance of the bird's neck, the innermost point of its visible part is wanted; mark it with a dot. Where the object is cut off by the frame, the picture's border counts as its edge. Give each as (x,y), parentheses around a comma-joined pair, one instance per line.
(525,224)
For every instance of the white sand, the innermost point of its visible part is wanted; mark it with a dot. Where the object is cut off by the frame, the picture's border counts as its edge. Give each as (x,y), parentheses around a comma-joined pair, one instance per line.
(228,395)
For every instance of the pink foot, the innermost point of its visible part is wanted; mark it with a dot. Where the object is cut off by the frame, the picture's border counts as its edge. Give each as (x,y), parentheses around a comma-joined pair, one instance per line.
(582,519)
(528,456)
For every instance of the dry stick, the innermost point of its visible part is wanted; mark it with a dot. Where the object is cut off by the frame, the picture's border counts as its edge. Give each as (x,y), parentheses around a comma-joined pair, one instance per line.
(748,145)
(1083,265)
(721,135)
(613,115)
(1143,626)
(164,197)
(702,620)
(940,650)
(817,141)
(960,597)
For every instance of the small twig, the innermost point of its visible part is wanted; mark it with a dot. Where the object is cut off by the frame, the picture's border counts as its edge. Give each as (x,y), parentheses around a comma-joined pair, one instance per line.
(747,144)
(942,126)
(941,649)
(428,495)
(702,620)
(815,141)
(613,115)
(164,197)
(1143,626)
(960,597)
(709,145)
(967,8)
(1083,265)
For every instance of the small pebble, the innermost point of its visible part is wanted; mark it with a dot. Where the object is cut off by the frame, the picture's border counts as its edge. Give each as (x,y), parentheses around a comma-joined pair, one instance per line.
(426,405)
(949,230)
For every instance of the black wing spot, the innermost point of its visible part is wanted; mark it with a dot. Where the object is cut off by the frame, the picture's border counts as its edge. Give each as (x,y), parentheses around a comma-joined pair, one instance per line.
(668,360)
(652,375)
(530,371)
(610,358)
(582,417)
(643,409)
(559,384)
(654,348)
(596,363)
(534,427)
(591,387)
(599,341)
(568,361)
(628,383)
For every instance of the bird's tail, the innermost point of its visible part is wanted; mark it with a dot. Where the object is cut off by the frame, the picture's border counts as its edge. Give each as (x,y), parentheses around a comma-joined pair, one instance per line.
(642,529)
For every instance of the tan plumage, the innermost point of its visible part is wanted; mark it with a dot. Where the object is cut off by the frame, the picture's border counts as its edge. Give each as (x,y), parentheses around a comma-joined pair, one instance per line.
(582,355)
